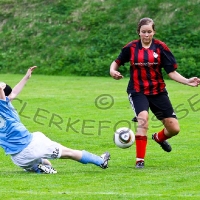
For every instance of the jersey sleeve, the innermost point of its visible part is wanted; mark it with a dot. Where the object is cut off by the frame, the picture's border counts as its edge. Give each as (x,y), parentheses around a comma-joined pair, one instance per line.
(124,56)
(4,106)
(168,60)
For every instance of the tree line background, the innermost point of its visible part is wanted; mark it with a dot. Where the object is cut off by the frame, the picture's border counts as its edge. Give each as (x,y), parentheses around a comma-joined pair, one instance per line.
(83,37)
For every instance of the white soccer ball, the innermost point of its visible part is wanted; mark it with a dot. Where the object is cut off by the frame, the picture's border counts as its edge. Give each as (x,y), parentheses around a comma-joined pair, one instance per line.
(124,137)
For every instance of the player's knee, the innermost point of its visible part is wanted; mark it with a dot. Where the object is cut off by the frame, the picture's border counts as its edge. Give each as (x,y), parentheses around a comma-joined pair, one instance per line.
(175,131)
(67,153)
(172,126)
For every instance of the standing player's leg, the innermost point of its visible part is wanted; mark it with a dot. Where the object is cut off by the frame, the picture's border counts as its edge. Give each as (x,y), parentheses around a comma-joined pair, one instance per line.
(140,106)
(141,138)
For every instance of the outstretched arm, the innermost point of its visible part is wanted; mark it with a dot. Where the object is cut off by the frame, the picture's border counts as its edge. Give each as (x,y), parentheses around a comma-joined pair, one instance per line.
(194,81)
(2,94)
(17,89)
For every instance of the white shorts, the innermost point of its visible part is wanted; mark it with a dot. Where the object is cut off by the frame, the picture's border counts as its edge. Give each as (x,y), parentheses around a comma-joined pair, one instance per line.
(40,147)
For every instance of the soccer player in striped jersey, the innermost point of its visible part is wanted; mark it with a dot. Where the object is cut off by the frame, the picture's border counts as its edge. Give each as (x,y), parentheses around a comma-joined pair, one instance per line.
(32,151)
(146,88)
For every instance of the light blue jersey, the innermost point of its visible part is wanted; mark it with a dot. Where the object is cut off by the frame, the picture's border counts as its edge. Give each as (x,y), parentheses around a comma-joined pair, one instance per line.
(14,136)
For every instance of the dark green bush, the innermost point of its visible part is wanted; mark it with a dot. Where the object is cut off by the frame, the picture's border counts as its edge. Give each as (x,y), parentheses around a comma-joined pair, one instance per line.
(84,37)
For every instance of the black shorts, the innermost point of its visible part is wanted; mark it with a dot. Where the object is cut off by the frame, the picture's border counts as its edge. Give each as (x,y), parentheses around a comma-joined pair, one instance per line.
(159,104)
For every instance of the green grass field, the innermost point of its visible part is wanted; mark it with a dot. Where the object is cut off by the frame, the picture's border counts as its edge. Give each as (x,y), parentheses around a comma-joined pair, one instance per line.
(69,110)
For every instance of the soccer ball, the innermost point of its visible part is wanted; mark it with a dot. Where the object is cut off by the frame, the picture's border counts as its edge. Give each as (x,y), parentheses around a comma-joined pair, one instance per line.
(124,137)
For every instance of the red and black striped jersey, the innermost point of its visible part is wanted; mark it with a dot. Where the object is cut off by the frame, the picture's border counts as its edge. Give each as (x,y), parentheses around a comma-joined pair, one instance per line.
(146,66)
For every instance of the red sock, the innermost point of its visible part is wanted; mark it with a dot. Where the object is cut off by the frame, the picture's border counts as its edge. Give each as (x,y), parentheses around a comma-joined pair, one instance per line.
(141,143)
(160,136)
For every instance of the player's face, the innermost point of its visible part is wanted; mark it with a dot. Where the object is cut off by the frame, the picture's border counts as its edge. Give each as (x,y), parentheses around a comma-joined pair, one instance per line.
(146,34)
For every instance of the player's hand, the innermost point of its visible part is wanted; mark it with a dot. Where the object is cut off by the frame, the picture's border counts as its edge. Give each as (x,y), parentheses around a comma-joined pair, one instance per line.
(2,85)
(30,70)
(116,75)
(194,81)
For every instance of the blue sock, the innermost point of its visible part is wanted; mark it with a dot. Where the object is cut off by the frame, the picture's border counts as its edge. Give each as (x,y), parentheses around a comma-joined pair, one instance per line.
(88,157)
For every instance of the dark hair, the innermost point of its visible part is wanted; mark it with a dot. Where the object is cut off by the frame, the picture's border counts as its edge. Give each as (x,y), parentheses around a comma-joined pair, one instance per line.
(7,90)
(145,21)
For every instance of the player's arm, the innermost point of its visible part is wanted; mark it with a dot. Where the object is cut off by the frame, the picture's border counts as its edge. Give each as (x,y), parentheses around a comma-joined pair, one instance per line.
(114,71)
(194,81)
(18,88)
(170,66)
(2,94)
(121,60)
